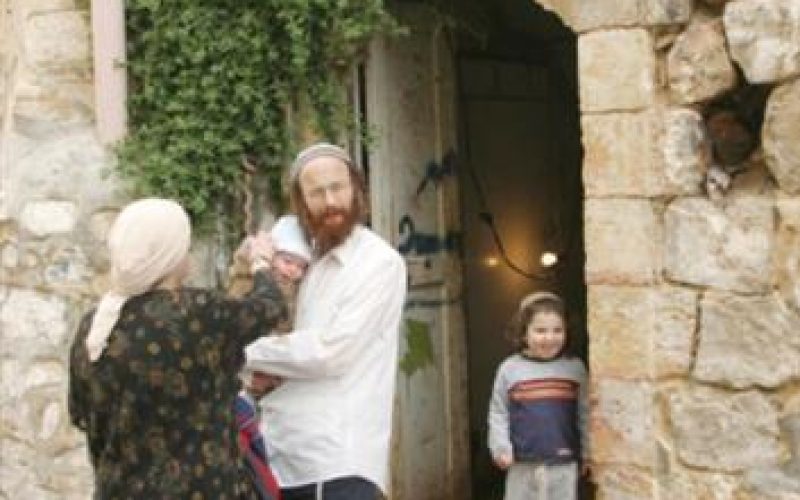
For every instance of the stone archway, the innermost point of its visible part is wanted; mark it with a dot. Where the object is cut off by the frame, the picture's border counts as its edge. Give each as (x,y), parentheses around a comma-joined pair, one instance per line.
(693,300)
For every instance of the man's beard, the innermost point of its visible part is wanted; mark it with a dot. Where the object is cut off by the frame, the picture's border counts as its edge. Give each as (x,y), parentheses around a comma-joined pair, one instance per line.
(326,237)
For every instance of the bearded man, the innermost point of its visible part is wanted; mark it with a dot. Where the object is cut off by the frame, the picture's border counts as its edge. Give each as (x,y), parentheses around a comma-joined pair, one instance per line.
(328,424)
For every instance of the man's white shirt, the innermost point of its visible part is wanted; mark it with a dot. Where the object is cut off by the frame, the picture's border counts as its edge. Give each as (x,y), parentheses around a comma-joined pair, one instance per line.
(332,415)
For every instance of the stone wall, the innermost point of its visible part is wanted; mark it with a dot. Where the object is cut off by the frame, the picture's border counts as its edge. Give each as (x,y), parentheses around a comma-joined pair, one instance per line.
(56,204)
(54,211)
(694,294)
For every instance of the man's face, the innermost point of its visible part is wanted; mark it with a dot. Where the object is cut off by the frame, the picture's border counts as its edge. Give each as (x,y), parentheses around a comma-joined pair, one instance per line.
(328,195)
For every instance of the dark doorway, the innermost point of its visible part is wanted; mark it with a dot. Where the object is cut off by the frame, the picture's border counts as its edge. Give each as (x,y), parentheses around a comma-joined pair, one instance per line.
(521,189)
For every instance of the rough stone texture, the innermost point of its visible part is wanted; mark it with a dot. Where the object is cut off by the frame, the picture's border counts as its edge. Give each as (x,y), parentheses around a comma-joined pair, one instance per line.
(644,154)
(623,422)
(724,431)
(624,241)
(783,481)
(780,134)
(735,333)
(774,484)
(42,110)
(698,64)
(763,38)
(618,156)
(659,12)
(684,151)
(59,38)
(42,218)
(728,247)
(29,316)
(788,251)
(617,70)
(625,483)
(49,170)
(584,16)
(683,483)
(640,332)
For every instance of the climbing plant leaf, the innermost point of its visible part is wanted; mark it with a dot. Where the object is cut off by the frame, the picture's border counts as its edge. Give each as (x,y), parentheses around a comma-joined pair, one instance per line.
(212,82)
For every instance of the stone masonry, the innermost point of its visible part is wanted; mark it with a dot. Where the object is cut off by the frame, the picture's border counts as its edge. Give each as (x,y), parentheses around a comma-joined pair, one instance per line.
(694,303)
(57,202)
(694,317)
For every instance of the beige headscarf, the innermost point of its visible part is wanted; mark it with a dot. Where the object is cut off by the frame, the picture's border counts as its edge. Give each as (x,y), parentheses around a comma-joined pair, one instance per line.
(148,240)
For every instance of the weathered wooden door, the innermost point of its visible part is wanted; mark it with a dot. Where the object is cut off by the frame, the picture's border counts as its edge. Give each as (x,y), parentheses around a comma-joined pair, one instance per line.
(411,107)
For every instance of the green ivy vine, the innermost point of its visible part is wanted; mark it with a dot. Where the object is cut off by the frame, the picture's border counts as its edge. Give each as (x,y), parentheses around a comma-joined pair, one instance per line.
(212,81)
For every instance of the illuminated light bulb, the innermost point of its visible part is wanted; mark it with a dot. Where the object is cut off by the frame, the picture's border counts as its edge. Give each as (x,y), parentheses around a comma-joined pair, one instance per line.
(549,259)
(491,261)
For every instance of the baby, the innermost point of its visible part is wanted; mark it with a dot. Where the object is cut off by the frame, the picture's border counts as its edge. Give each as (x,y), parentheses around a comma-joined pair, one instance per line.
(289,264)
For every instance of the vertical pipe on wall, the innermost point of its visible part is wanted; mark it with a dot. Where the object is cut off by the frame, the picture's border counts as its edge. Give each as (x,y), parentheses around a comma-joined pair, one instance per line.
(110,79)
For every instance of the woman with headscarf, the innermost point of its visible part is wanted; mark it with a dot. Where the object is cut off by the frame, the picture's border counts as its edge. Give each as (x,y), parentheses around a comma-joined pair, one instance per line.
(153,369)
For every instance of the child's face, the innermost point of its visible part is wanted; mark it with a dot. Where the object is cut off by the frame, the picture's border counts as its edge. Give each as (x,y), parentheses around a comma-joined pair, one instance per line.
(545,336)
(288,266)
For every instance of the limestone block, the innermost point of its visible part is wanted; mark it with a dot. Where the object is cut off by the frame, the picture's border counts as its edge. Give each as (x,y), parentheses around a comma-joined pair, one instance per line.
(17,477)
(684,151)
(640,332)
(659,12)
(587,16)
(9,255)
(684,483)
(788,250)
(763,38)
(46,217)
(775,483)
(63,167)
(698,64)
(624,241)
(728,247)
(625,483)
(40,374)
(604,14)
(618,155)
(57,39)
(737,332)
(724,431)
(617,69)
(780,134)
(623,422)
(29,316)
(25,418)
(44,108)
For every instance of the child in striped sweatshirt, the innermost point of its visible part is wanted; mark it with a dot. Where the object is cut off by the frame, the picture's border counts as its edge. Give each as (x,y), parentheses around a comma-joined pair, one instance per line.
(538,411)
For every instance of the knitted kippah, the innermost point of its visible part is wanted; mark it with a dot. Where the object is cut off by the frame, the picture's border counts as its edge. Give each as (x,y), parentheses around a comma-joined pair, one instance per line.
(537,296)
(319,150)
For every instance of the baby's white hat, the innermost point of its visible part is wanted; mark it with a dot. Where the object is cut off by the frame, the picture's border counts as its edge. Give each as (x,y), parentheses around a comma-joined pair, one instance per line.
(287,236)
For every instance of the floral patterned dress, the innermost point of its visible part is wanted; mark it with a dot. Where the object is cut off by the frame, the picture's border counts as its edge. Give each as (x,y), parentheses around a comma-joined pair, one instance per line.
(157,406)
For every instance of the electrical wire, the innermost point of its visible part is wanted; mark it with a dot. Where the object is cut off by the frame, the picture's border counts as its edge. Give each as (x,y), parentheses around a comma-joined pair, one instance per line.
(485,215)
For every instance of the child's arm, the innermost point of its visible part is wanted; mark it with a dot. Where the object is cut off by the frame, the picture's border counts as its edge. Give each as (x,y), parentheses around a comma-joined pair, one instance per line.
(499,429)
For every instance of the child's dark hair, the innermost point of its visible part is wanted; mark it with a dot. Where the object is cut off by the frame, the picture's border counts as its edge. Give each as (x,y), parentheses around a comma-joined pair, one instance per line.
(531,305)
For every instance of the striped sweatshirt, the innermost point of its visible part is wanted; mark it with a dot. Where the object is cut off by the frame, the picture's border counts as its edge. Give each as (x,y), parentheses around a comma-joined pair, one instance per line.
(539,410)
